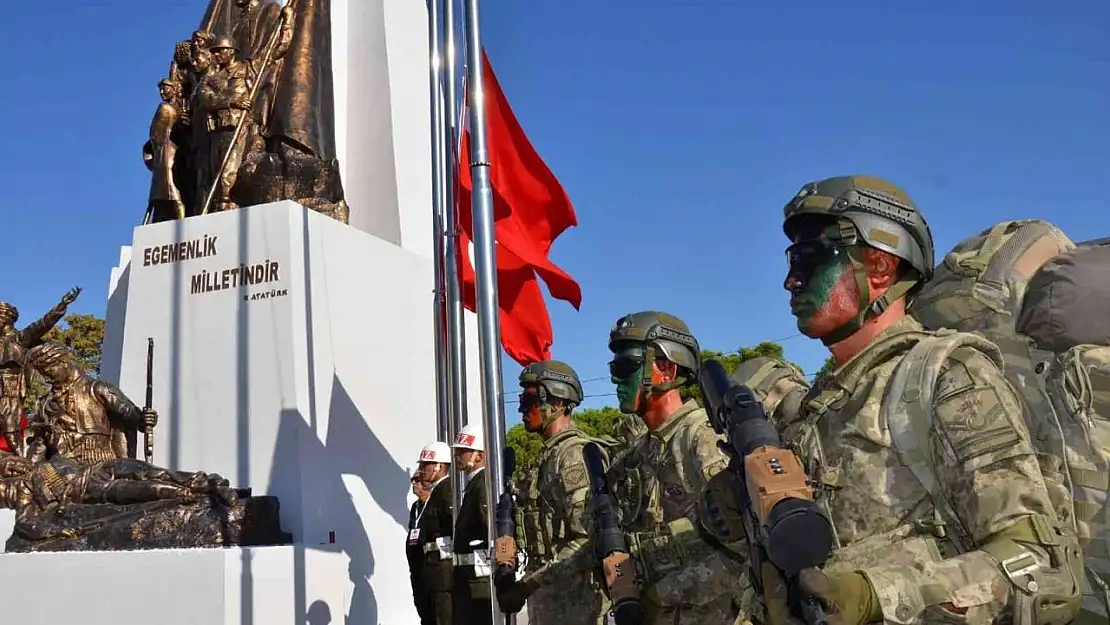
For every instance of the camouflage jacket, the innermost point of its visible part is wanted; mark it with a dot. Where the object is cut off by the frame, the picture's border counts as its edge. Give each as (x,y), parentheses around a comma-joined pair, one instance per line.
(887,523)
(556,517)
(687,579)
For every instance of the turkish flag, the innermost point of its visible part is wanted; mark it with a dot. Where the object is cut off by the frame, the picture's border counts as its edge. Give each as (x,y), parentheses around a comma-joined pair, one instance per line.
(530,211)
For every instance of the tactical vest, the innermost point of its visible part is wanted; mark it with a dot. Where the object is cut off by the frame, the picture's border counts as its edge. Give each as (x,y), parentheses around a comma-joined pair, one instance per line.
(637,478)
(544,534)
(907,411)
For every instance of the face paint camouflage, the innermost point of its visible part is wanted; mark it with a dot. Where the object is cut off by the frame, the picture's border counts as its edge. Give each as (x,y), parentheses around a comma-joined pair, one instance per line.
(536,409)
(628,391)
(817,266)
(626,370)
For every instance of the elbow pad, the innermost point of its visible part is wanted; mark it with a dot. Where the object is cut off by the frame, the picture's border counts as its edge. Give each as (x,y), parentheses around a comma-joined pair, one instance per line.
(1045,592)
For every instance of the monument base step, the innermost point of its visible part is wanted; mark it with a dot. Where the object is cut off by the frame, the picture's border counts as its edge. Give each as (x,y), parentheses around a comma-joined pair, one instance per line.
(290,585)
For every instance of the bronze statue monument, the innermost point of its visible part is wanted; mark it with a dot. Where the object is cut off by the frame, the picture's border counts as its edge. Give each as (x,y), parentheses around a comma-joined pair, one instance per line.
(13,375)
(91,420)
(82,489)
(247,114)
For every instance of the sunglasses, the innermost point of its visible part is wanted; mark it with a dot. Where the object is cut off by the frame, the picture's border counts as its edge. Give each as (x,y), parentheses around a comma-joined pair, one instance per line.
(805,257)
(623,367)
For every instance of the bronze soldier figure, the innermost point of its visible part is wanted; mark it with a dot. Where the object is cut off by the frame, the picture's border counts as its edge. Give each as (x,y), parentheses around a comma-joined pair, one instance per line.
(13,378)
(32,489)
(226,103)
(89,421)
(160,153)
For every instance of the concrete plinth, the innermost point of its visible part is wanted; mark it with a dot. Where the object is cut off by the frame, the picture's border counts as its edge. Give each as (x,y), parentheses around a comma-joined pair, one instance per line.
(266,585)
(293,355)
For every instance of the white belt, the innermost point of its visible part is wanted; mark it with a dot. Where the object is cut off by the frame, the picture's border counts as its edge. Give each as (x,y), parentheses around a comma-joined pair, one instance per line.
(442,545)
(463,559)
(479,560)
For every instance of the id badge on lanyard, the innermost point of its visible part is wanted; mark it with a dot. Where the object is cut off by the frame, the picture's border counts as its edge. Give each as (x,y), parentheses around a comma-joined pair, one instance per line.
(414,536)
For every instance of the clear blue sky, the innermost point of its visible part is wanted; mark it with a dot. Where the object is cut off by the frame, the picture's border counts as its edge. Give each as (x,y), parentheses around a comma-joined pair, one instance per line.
(679,129)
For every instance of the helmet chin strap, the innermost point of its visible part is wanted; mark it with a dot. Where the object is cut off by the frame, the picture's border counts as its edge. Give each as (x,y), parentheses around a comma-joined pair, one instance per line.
(647,387)
(867,309)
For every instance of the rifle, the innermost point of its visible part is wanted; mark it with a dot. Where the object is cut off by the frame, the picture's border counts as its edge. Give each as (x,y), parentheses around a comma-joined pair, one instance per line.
(783,523)
(148,404)
(611,543)
(505,545)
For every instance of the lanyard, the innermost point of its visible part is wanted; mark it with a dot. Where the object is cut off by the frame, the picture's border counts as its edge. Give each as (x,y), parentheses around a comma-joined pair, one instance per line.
(416,521)
(424,507)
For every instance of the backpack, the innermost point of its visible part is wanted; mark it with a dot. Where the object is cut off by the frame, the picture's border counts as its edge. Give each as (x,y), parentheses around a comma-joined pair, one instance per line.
(1027,288)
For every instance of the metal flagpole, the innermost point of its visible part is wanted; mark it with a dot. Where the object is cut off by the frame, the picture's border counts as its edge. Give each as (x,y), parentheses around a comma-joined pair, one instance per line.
(456,330)
(439,182)
(485,270)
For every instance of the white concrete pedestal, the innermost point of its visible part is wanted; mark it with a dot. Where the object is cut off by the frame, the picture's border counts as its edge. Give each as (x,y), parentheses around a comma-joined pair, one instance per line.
(256,586)
(293,355)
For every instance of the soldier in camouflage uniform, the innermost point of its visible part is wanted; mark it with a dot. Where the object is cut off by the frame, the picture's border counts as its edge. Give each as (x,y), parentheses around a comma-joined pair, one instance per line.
(554,504)
(685,579)
(940,511)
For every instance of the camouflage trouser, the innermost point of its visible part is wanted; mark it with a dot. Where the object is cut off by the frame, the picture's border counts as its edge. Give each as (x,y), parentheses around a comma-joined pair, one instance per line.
(549,606)
(722,611)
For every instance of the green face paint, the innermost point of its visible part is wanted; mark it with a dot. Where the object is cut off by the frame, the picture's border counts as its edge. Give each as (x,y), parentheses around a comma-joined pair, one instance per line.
(628,391)
(816,266)
(816,294)
(626,371)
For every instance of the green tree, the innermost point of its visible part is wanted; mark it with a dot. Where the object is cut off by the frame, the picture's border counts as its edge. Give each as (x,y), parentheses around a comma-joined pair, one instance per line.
(526,446)
(593,421)
(609,421)
(731,361)
(830,364)
(84,336)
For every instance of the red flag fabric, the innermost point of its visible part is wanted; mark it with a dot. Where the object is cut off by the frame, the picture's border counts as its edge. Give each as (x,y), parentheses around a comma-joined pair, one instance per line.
(530,210)
(23,425)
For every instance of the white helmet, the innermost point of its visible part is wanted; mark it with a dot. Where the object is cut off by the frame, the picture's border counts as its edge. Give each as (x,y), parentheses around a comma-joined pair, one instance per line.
(470,437)
(435,452)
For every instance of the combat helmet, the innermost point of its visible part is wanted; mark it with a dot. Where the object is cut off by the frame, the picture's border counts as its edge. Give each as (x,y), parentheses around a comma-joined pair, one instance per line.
(557,378)
(223,42)
(874,212)
(882,215)
(658,333)
(661,331)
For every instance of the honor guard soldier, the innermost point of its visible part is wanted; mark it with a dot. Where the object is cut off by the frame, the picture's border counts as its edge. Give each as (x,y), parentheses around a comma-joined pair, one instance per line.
(435,529)
(414,551)
(472,601)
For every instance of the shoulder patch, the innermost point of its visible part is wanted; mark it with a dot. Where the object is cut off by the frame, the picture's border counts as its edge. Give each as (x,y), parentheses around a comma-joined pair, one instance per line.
(575,478)
(977,412)
(957,375)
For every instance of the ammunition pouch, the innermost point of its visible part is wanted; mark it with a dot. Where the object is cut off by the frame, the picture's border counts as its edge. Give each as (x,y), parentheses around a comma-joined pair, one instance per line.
(659,553)
(1042,595)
